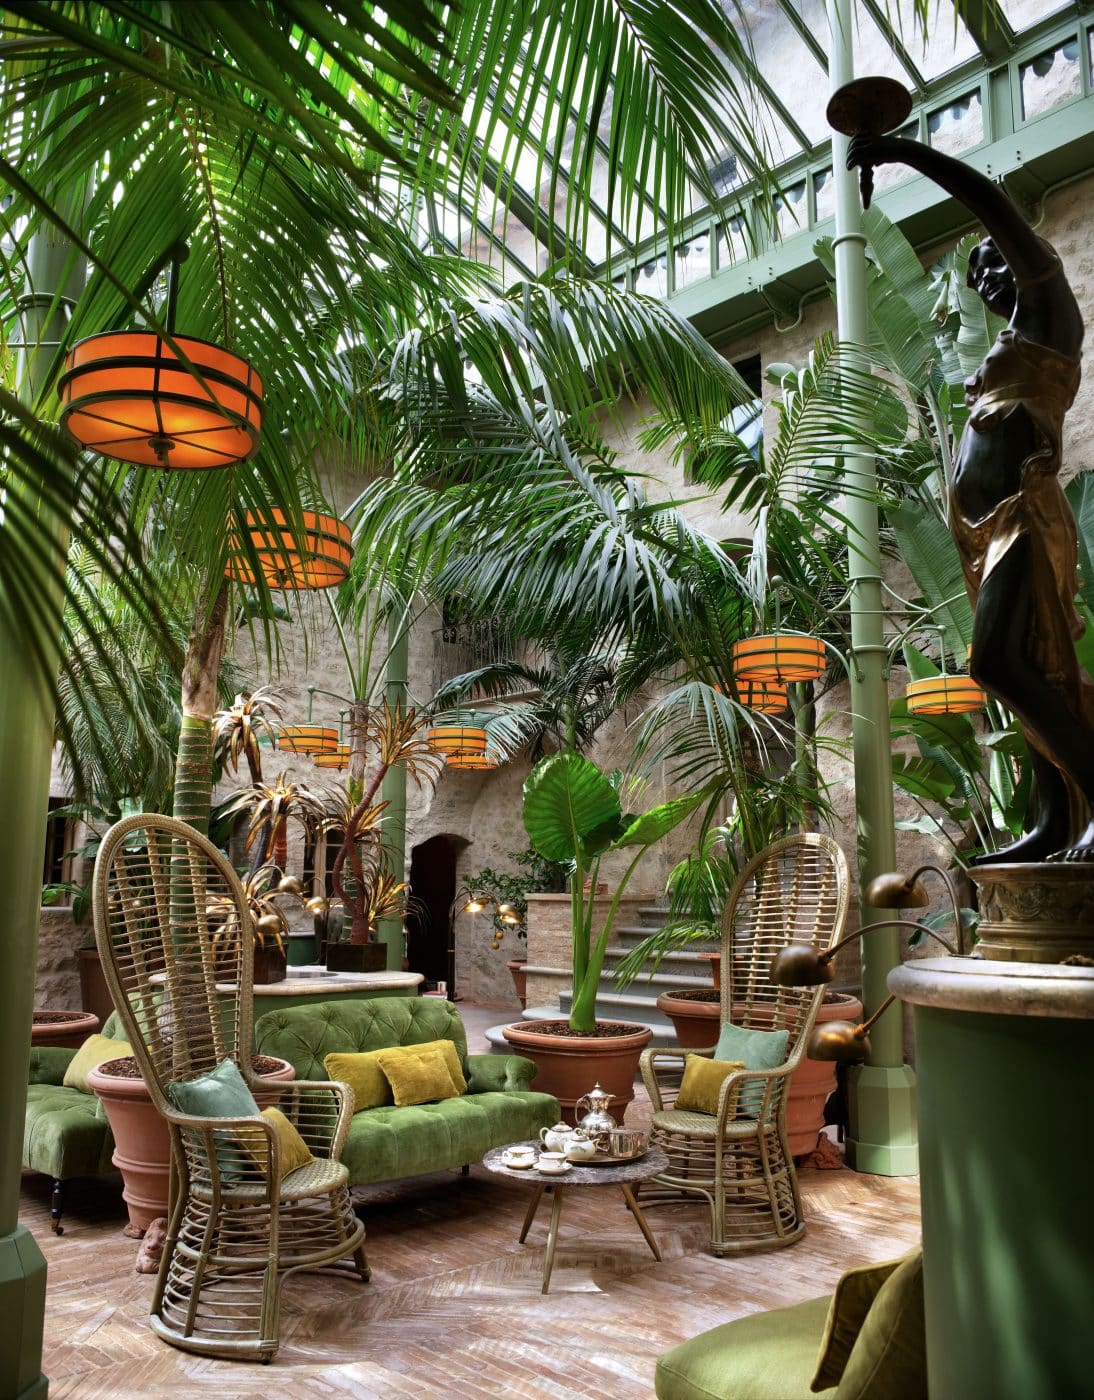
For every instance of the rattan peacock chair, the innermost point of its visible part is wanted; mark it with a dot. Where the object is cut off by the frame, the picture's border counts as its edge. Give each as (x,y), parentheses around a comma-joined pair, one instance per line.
(176,941)
(739,1158)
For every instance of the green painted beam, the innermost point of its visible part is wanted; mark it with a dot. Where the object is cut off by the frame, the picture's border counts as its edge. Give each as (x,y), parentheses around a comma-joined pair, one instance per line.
(1055,149)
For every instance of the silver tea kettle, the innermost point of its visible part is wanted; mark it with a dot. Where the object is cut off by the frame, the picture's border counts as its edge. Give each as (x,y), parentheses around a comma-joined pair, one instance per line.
(597,1119)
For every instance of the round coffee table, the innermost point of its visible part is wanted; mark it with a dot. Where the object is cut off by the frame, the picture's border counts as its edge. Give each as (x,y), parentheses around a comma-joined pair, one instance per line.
(623,1175)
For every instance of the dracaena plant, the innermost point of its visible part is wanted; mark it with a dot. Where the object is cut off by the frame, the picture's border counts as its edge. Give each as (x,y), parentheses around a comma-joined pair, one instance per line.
(573,814)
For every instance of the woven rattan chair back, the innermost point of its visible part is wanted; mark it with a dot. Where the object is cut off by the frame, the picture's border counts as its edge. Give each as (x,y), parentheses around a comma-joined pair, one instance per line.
(176,942)
(796,890)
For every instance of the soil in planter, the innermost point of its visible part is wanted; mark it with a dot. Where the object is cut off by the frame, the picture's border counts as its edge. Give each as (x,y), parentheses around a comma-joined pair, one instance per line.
(53,1018)
(707,995)
(126,1067)
(601,1031)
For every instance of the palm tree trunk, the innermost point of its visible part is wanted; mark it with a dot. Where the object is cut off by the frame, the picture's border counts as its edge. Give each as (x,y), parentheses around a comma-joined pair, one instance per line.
(200,674)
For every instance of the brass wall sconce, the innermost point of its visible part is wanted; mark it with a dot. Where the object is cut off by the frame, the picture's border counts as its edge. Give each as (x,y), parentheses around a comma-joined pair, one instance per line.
(799,965)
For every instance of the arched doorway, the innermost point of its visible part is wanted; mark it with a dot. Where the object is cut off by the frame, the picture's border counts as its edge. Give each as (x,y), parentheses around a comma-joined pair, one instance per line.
(429,944)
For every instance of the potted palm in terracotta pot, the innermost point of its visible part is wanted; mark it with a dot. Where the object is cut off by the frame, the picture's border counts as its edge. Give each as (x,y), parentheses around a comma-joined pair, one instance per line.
(572,814)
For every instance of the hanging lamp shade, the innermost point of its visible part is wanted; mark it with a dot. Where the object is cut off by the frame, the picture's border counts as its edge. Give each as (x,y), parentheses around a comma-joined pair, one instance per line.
(786,657)
(128,395)
(766,697)
(458,740)
(338,757)
(307,738)
(944,695)
(470,762)
(322,562)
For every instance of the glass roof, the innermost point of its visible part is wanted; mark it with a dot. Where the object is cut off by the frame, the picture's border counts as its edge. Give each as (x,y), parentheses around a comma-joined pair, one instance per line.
(519,224)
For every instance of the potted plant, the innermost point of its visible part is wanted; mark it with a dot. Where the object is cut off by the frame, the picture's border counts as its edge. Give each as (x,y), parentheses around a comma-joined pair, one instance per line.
(142,1144)
(573,814)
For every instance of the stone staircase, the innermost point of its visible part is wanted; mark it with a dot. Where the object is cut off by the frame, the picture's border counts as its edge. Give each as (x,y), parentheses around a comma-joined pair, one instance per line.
(684,969)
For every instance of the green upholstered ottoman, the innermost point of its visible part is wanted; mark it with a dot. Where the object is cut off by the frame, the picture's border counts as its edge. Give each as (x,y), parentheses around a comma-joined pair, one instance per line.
(766,1356)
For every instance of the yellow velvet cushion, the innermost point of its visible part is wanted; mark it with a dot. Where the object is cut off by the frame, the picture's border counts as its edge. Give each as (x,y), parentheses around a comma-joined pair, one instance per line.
(95,1051)
(364,1076)
(294,1150)
(419,1073)
(702,1080)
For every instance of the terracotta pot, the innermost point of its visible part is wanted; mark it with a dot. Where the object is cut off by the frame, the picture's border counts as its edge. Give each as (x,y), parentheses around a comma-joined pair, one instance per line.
(142,1145)
(814,1080)
(518,970)
(66,1030)
(570,1065)
(697,1023)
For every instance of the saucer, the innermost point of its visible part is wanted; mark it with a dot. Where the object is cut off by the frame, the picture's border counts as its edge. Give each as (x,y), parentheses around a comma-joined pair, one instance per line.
(517,1164)
(553,1171)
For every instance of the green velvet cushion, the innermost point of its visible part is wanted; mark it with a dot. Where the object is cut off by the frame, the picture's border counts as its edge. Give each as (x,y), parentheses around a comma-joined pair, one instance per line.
(65,1133)
(889,1359)
(766,1356)
(852,1300)
(304,1035)
(387,1143)
(48,1064)
(755,1050)
(222,1093)
(499,1072)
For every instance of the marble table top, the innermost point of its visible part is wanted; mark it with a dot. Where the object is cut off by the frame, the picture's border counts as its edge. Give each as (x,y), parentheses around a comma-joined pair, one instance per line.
(600,1174)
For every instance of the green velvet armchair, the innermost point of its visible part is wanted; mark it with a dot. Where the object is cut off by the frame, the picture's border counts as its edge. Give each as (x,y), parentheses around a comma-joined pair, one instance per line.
(65,1132)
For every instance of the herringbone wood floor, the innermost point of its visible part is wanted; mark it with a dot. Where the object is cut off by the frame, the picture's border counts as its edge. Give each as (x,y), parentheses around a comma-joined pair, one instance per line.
(454,1307)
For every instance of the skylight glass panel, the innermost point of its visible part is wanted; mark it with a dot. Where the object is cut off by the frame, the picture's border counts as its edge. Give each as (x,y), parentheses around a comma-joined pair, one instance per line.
(692,259)
(958,126)
(1051,78)
(788,66)
(1021,14)
(946,45)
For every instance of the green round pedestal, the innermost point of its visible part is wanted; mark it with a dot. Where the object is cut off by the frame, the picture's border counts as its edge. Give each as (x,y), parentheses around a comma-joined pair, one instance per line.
(1006,1145)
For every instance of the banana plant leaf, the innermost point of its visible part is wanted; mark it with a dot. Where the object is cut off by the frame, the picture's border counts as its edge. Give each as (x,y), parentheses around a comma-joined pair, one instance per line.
(571,809)
(930,553)
(651,826)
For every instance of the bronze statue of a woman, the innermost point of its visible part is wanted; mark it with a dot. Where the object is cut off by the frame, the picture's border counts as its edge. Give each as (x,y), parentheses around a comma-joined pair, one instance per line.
(1008,514)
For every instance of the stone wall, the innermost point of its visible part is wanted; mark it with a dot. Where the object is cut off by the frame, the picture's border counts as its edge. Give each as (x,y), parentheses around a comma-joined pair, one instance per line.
(550,942)
(57,984)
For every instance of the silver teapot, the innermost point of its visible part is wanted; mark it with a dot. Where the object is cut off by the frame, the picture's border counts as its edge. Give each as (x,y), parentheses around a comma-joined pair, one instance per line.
(597,1119)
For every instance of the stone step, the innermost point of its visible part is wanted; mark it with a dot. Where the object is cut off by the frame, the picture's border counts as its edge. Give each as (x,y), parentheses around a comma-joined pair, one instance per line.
(630,934)
(642,989)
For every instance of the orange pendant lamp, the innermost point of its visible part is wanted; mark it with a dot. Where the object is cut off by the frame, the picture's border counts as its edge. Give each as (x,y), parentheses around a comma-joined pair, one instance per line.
(944,695)
(307,738)
(189,405)
(784,657)
(469,762)
(765,697)
(317,555)
(458,741)
(338,757)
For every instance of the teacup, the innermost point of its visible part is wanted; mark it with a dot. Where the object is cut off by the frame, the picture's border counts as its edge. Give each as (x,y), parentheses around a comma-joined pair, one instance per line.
(556,1139)
(552,1163)
(518,1156)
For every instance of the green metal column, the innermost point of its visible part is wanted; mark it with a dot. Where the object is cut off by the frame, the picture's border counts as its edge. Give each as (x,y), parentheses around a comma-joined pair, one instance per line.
(882,1136)
(393,788)
(26,754)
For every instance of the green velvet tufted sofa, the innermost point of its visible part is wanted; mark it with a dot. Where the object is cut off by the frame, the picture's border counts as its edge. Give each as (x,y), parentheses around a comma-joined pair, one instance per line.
(385,1144)
(65,1133)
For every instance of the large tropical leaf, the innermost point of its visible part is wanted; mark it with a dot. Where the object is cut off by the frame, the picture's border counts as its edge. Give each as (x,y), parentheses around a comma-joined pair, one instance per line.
(1080,495)
(651,826)
(927,547)
(571,809)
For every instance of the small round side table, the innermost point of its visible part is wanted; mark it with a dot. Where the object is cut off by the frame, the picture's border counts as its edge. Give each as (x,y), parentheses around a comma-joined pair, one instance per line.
(623,1175)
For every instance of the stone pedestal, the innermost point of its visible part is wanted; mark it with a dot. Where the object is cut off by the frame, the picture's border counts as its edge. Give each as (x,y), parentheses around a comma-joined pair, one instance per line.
(1039,912)
(1006,1141)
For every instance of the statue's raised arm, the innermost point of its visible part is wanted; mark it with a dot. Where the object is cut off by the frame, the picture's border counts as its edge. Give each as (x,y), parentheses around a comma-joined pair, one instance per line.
(1010,520)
